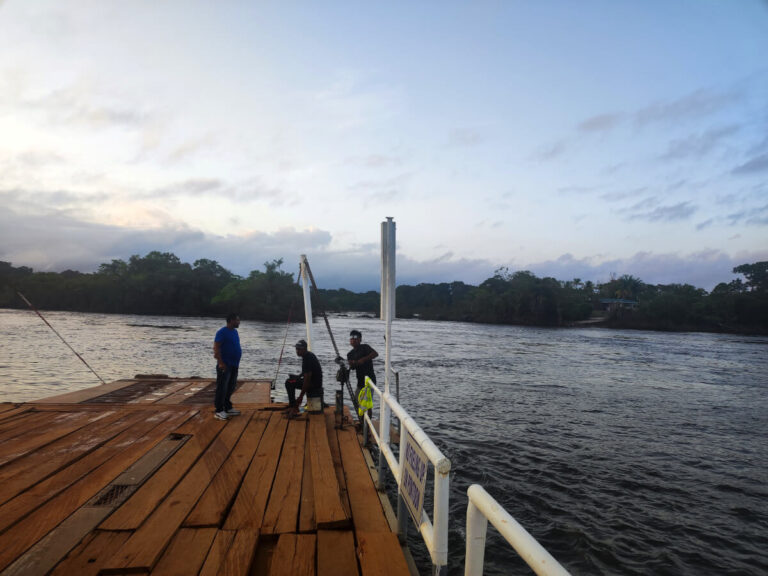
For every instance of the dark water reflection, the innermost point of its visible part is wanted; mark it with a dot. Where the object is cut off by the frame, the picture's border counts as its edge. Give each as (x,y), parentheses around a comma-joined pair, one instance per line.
(622,452)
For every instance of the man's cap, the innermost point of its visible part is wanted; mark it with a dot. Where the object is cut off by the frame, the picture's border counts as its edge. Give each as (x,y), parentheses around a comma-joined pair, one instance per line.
(355,334)
(301,344)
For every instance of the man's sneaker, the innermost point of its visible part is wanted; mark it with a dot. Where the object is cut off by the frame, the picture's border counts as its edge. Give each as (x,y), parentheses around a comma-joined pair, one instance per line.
(233,412)
(221,415)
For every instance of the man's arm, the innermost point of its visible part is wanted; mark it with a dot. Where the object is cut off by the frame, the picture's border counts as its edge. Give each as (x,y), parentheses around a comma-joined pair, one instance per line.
(217,355)
(370,356)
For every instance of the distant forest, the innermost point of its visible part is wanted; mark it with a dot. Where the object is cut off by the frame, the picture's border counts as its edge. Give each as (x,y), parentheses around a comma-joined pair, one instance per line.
(161,284)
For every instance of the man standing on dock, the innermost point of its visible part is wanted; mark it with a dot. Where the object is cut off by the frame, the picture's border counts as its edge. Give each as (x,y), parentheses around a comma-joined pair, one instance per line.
(310,382)
(361,358)
(227,351)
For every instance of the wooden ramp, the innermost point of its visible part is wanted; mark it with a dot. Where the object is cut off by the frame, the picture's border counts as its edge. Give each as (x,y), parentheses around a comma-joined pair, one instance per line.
(135,477)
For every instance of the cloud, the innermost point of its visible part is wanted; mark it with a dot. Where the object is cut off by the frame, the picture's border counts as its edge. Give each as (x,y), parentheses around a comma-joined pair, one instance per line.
(697,145)
(466,137)
(551,151)
(752,216)
(703,269)
(600,123)
(375,161)
(681,211)
(756,165)
(696,105)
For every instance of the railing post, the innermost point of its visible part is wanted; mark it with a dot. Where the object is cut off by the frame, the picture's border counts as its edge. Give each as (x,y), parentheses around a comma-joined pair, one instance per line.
(307,299)
(388,244)
(477,529)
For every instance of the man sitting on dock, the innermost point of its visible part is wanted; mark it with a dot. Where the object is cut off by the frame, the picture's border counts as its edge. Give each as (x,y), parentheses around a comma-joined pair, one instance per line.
(227,351)
(361,358)
(310,381)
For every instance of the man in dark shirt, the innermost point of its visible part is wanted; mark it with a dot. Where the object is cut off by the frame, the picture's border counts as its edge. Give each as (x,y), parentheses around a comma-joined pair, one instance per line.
(310,381)
(227,351)
(361,358)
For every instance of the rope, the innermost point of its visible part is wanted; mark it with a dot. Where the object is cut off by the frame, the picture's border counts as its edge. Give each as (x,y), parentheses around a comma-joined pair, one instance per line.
(36,311)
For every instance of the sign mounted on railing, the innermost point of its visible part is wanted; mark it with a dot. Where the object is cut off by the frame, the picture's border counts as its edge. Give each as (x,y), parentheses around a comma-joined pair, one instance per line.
(414,481)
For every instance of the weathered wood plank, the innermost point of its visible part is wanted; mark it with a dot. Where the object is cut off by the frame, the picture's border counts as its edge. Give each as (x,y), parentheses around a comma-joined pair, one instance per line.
(252,392)
(33,468)
(186,553)
(163,391)
(86,558)
(294,555)
(192,387)
(283,509)
(141,504)
(54,546)
(240,555)
(333,443)
(336,553)
(367,513)
(329,512)
(217,553)
(215,501)
(38,510)
(59,427)
(251,501)
(144,548)
(307,505)
(86,394)
(26,421)
(380,554)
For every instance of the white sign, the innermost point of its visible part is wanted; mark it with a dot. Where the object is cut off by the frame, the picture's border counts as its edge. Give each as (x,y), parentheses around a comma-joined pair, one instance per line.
(414,480)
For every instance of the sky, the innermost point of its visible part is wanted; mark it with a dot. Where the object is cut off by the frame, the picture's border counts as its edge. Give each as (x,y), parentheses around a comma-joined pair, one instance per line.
(580,140)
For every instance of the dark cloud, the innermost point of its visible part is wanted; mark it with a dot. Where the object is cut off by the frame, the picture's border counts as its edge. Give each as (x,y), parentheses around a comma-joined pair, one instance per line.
(551,152)
(757,216)
(756,165)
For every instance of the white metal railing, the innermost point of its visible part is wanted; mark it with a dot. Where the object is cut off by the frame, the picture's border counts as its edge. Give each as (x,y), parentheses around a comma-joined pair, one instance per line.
(434,532)
(481,509)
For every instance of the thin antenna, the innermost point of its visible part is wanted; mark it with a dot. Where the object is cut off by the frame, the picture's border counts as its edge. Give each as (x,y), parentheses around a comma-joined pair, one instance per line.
(36,311)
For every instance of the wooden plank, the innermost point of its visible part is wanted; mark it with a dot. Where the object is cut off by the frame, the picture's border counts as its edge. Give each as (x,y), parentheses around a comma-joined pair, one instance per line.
(24,422)
(333,443)
(263,558)
(86,559)
(146,499)
(251,501)
(5,406)
(294,555)
(186,553)
(192,387)
(336,553)
(163,391)
(380,554)
(59,427)
(307,505)
(86,394)
(252,392)
(367,513)
(38,510)
(144,548)
(217,553)
(15,412)
(283,509)
(50,550)
(33,468)
(329,513)
(240,555)
(215,501)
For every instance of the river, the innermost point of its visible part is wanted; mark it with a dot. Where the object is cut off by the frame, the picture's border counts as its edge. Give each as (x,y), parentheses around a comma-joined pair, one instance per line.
(622,452)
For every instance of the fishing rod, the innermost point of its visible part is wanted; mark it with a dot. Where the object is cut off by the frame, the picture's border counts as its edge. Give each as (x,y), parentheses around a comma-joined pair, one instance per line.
(36,311)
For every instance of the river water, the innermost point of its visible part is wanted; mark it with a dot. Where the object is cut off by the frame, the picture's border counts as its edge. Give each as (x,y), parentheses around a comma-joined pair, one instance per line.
(622,452)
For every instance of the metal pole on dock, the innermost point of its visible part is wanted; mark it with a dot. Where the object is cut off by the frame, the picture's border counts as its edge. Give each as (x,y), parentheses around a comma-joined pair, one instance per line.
(307,299)
(388,245)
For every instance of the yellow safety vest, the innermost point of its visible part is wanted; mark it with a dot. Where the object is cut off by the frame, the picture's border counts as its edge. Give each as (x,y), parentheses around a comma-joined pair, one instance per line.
(365,398)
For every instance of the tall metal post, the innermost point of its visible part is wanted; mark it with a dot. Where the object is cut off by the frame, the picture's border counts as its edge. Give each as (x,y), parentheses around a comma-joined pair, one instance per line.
(388,249)
(307,299)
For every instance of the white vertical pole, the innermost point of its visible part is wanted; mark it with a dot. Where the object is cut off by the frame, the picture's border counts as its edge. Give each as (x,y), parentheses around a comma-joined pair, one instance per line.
(387,314)
(307,300)
(477,529)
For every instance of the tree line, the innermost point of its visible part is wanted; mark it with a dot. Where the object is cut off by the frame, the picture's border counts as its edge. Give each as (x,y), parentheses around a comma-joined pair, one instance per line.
(161,284)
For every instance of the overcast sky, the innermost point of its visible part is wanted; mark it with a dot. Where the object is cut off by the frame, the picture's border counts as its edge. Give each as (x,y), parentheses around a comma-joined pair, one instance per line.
(572,139)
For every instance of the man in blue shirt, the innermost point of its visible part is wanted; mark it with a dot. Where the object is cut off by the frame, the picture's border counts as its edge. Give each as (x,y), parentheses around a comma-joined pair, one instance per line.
(227,351)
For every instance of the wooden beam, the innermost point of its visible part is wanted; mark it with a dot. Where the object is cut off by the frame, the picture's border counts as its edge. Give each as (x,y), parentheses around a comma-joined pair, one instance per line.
(294,555)
(283,509)
(240,555)
(329,513)
(380,554)
(217,552)
(336,553)
(186,553)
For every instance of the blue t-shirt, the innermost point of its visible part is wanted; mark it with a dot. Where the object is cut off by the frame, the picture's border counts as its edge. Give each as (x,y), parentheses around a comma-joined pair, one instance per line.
(229,340)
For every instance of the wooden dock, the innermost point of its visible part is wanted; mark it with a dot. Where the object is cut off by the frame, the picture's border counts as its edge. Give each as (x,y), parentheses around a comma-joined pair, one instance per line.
(137,476)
